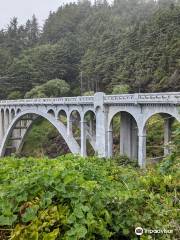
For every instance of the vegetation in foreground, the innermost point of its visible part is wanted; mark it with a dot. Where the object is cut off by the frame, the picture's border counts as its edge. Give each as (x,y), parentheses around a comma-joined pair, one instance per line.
(74,198)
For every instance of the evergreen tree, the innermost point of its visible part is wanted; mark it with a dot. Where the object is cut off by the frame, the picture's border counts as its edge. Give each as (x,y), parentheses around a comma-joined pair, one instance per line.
(132,43)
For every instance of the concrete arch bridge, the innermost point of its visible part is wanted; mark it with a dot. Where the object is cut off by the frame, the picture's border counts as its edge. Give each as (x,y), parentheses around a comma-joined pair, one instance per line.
(95,114)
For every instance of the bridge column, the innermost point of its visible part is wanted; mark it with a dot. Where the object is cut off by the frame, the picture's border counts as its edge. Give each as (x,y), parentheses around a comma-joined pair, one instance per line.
(101,125)
(142,148)
(83,139)
(1,126)
(6,121)
(93,131)
(167,135)
(128,136)
(110,141)
(134,142)
(125,135)
(69,126)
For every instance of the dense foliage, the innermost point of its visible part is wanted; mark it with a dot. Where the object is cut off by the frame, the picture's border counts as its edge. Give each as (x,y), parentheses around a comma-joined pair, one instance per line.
(130,42)
(75,198)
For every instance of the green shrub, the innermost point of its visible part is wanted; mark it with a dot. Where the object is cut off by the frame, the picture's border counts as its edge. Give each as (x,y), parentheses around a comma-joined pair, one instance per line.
(52,88)
(121,89)
(75,198)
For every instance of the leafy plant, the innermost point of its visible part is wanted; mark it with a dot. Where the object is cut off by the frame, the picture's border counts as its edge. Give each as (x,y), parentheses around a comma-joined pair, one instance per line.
(75,198)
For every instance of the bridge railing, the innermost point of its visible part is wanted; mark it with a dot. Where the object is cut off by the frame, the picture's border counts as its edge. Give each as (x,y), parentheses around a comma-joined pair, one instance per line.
(137,98)
(143,98)
(41,101)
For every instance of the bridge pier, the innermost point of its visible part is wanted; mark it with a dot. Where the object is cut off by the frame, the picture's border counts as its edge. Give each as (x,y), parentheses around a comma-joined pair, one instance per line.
(1,126)
(142,149)
(134,147)
(128,136)
(83,139)
(69,126)
(101,125)
(6,120)
(110,140)
(167,135)
(101,134)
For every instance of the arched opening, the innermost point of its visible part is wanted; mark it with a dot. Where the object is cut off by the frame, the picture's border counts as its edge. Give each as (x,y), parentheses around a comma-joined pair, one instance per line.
(90,132)
(12,113)
(123,136)
(18,111)
(6,120)
(34,135)
(50,111)
(62,117)
(75,121)
(158,130)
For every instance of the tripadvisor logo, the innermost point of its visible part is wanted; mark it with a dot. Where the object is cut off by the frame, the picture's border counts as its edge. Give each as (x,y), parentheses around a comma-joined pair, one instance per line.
(139,231)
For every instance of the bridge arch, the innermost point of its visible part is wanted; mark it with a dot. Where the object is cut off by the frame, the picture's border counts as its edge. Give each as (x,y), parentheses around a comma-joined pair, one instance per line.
(71,142)
(175,114)
(168,117)
(117,110)
(77,111)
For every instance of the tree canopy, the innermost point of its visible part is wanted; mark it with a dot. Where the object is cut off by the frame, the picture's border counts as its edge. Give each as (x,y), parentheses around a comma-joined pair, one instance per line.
(130,42)
(52,88)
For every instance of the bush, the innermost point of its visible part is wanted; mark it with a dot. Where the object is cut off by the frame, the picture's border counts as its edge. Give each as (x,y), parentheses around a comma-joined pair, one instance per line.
(75,198)
(121,89)
(14,95)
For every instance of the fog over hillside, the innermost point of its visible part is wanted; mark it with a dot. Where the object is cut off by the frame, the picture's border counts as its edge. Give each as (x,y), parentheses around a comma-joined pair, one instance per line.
(25,9)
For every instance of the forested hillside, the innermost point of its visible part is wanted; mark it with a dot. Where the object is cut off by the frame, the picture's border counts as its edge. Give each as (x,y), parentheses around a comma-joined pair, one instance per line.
(135,43)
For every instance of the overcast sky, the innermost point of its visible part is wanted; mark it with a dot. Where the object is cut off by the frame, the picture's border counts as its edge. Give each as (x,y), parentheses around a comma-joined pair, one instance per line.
(24,9)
